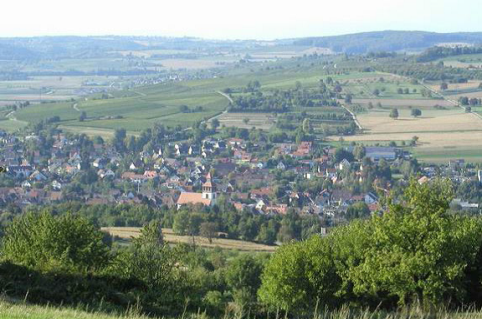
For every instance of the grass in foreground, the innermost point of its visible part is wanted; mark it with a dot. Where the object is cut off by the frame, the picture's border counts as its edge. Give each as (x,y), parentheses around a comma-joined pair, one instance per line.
(20,311)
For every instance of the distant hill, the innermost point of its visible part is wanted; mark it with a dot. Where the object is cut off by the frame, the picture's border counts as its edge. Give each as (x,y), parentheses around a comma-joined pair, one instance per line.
(408,41)
(65,47)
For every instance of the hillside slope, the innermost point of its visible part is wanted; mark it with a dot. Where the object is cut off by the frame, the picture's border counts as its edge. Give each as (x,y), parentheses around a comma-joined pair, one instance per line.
(388,41)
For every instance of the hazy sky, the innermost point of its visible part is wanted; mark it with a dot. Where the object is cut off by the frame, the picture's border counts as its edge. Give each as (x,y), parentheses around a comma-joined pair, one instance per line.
(240,19)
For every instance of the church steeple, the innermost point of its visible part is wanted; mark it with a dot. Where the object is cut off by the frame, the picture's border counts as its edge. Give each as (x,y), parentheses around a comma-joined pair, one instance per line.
(209,189)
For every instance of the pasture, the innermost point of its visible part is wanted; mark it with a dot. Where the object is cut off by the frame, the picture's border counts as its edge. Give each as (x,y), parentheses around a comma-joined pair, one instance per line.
(170,237)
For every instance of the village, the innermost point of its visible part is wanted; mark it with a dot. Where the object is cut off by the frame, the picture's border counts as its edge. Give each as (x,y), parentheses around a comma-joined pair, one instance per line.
(259,178)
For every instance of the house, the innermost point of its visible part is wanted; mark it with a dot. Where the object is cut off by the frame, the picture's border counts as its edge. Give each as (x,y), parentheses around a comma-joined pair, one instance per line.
(344,165)
(100,162)
(26,184)
(220,145)
(194,150)
(21,171)
(207,197)
(37,176)
(465,205)
(378,153)
(454,164)
(260,205)
(423,180)
(340,197)
(56,185)
(304,149)
(151,174)
(237,142)
(104,174)
(330,173)
(180,149)
(371,198)
(281,166)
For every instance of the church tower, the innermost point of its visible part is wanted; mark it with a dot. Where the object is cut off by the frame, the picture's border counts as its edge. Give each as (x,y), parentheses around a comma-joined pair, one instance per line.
(209,189)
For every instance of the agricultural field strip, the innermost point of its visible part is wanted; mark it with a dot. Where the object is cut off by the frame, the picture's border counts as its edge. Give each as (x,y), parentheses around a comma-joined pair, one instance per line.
(171,237)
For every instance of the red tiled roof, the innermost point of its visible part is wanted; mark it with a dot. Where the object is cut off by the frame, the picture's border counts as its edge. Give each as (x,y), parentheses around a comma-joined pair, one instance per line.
(192,198)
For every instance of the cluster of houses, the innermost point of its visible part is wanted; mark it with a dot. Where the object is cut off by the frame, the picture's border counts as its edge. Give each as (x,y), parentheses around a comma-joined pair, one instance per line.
(192,174)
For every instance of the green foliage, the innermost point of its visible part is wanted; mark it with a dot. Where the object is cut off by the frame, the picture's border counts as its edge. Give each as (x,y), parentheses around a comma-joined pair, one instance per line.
(299,276)
(44,242)
(416,252)
(357,210)
(419,251)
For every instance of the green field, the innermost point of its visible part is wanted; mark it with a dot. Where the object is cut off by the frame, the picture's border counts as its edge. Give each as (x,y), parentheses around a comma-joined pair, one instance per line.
(140,108)
(134,113)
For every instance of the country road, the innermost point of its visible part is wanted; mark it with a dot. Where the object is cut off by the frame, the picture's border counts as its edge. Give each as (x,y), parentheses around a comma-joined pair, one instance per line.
(217,115)
(75,107)
(226,96)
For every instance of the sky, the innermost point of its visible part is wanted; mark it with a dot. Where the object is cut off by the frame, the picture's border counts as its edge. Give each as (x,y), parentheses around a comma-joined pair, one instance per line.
(234,19)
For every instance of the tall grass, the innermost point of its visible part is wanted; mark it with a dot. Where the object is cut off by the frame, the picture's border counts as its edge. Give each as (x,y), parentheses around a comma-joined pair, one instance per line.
(12,310)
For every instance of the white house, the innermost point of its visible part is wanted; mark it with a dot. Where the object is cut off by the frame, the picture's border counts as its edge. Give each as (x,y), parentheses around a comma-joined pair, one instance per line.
(371,198)
(281,166)
(344,164)
(56,185)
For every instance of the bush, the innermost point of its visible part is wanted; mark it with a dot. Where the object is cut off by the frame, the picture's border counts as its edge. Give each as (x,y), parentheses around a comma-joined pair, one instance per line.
(44,242)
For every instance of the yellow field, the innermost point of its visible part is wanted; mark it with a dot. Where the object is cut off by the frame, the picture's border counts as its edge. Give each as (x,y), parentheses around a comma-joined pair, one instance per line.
(170,237)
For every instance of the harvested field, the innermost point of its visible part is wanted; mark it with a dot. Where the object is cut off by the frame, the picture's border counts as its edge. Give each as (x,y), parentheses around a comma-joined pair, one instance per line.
(457,86)
(191,63)
(170,237)
(447,121)
(442,134)
(263,121)
(470,95)
(403,102)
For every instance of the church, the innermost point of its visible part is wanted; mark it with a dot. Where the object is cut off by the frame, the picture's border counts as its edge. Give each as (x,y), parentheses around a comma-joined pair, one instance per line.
(207,197)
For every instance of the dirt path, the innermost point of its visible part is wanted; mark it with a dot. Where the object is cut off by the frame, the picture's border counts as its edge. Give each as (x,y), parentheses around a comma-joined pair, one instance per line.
(76,108)
(11,116)
(353,116)
(223,112)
